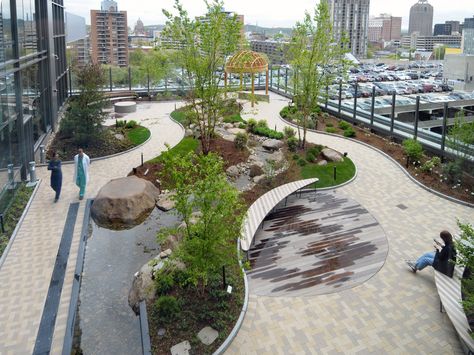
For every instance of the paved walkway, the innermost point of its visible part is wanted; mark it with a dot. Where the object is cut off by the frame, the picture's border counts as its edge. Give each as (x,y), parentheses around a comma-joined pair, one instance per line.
(393,312)
(26,273)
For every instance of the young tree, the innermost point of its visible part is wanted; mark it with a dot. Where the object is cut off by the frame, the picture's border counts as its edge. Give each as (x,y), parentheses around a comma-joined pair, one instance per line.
(313,55)
(211,210)
(205,44)
(85,115)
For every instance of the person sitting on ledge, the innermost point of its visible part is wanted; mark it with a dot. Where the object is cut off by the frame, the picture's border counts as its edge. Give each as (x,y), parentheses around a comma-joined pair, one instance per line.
(442,260)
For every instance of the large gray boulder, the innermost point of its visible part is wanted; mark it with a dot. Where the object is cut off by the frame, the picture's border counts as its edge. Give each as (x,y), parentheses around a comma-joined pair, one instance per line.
(272,144)
(124,203)
(332,155)
(236,130)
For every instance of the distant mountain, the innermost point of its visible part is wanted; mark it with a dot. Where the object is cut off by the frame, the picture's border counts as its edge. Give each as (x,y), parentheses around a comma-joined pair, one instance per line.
(268,31)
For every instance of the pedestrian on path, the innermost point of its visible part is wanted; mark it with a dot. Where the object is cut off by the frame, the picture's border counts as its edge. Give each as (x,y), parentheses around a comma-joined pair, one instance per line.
(442,259)
(81,171)
(56,175)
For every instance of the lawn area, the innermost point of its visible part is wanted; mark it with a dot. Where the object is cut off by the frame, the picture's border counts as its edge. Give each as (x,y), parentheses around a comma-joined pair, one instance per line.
(138,135)
(236,118)
(344,172)
(179,115)
(187,145)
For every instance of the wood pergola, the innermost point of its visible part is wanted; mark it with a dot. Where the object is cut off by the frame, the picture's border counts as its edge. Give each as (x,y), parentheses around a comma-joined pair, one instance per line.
(247,62)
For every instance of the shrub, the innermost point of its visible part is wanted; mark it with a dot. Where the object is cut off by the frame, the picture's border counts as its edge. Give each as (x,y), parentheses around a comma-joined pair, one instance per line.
(453,170)
(233,118)
(331,130)
(296,156)
(164,283)
(316,149)
(251,124)
(131,124)
(301,162)
(262,124)
(289,132)
(344,125)
(329,124)
(292,144)
(412,149)
(241,140)
(349,132)
(120,123)
(267,132)
(288,111)
(325,115)
(436,161)
(311,124)
(242,125)
(310,157)
(428,166)
(167,307)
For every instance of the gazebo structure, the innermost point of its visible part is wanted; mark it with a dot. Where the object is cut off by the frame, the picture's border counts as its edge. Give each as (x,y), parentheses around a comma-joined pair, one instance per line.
(247,62)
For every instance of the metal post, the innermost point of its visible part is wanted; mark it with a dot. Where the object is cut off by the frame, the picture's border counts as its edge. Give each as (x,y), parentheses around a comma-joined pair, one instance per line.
(2,224)
(286,80)
(335,173)
(340,99)
(42,154)
(417,117)
(259,77)
(224,283)
(166,84)
(148,84)
(445,123)
(271,76)
(372,108)
(32,168)
(110,78)
(130,78)
(70,81)
(11,175)
(327,97)
(392,121)
(142,159)
(278,80)
(354,114)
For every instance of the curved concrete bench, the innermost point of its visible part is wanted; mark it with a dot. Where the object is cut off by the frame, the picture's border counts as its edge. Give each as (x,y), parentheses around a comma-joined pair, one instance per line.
(263,206)
(449,290)
(125,107)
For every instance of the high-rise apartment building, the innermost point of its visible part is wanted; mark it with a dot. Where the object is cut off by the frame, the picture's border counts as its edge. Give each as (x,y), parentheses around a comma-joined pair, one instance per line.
(109,35)
(33,81)
(468,36)
(421,18)
(350,19)
(385,28)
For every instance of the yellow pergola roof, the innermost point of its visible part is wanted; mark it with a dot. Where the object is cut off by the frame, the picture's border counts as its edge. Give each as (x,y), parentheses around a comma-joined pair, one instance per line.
(246,62)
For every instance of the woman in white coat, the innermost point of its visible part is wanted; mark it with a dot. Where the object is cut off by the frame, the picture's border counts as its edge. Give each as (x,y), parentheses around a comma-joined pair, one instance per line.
(81,171)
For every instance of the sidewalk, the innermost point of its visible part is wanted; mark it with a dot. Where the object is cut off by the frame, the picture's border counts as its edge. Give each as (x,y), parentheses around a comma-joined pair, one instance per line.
(26,273)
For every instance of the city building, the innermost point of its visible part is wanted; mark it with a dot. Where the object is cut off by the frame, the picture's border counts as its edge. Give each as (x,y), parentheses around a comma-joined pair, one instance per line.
(33,81)
(468,36)
(350,18)
(384,28)
(455,26)
(274,50)
(459,71)
(230,14)
(428,43)
(77,40)
(442,29)
(421,19)
(109,35)
(139,29)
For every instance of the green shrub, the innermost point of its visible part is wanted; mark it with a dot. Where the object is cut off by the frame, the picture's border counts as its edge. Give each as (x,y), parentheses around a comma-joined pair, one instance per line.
(296,156)
(292,144)
(120,123)
(325,115)
(167,307)
(262,124)
(131,124)
(242,125)
(453,171)
(311,124)
(241,140)
(413,149)
(233,118)
(164,283)
(316,149)
(344,125)
(288,111)
(331,130)
(251,124)
(267,132)
(329,124)
(289,132)
(301,162)
(429,165)
(349,132)
(436,161)
(310,157)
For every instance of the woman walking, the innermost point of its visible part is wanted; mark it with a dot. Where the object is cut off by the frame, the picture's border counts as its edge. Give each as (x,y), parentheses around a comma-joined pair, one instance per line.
(81,171)
(56,175)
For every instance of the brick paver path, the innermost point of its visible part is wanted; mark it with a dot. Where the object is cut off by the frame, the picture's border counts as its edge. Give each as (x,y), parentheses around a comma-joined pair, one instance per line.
(25,276)
(393,312)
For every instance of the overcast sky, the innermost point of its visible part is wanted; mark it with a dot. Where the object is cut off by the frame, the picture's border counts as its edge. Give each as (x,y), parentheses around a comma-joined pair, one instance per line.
(269,13)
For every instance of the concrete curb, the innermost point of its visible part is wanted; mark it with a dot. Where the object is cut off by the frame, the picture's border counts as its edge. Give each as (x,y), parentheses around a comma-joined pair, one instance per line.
(18,225)
(449,198)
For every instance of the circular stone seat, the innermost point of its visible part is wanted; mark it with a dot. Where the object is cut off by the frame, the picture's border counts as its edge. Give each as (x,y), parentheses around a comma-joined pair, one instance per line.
(125,107)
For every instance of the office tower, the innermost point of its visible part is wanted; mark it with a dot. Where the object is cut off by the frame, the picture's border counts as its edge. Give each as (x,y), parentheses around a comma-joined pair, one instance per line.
(442,29)
(109,35)
(468,36)
(385,28)
(77,40)
(33,80)
(350,19)
(455,26)
(421,18)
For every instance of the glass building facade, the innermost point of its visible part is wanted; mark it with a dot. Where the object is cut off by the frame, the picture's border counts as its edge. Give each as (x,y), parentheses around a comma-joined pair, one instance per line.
(33,80)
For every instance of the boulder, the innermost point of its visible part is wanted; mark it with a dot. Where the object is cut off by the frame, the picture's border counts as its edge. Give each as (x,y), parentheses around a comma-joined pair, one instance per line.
(259,178)
(228,125)
(233,171)
(166,202)
(119,136)
(272,144)
(207,335)
(124,202)
(332,155)
(171,242)
(189,133)
(255,170)
(236,130)
(323,162)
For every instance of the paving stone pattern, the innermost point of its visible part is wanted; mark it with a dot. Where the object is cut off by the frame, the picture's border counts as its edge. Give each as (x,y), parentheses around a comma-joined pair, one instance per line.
(25,276)
(393,312)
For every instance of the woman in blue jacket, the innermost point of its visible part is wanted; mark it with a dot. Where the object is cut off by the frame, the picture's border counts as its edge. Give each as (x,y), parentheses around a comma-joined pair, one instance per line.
(56,175)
